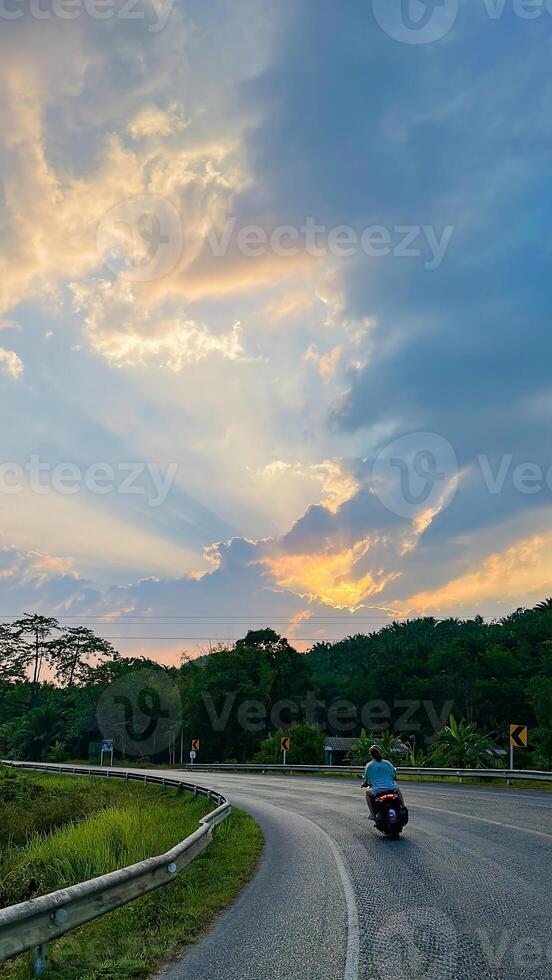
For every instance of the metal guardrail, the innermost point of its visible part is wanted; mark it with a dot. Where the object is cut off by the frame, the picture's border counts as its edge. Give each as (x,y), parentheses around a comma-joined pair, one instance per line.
(507,774)
(33,924)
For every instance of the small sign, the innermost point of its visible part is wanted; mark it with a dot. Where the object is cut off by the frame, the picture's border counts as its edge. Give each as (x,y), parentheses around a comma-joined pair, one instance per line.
(519,736)
(285,744)
(193,755)
(195,745)
(106,749)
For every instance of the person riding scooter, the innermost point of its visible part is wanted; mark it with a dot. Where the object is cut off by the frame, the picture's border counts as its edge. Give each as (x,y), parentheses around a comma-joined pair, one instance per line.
(379,777)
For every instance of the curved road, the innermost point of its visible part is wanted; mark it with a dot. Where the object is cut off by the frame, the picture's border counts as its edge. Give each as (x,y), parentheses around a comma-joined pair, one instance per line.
(466,893)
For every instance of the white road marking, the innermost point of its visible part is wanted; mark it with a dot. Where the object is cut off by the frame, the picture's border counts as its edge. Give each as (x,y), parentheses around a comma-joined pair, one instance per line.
(494,823)
(353,925)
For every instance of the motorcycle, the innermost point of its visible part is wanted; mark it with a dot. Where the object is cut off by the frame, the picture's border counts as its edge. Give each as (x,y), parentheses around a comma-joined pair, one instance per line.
(390,815)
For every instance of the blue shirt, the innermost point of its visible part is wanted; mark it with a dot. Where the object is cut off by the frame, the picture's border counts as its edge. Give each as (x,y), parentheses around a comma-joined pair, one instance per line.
(380,775)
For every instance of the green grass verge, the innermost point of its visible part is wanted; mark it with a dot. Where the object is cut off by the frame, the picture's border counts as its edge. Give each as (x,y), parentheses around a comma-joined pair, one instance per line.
(139,822)
(33,803)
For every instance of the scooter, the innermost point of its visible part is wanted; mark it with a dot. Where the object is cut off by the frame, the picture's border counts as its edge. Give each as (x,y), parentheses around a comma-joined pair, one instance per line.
(390,815)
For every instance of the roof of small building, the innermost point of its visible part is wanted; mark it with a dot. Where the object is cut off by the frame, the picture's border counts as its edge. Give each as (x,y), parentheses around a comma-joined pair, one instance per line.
(337,744)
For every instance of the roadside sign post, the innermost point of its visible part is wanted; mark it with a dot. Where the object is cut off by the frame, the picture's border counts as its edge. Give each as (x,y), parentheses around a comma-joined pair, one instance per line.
(519,739)
(107,749)
(192,757)
(194,750)
(285,745)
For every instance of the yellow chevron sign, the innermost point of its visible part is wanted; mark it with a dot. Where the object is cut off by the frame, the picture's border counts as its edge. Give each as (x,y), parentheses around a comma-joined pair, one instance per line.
(285,744)
(519,736)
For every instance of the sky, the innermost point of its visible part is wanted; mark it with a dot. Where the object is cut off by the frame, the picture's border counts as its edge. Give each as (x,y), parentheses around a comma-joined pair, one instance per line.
(274,314)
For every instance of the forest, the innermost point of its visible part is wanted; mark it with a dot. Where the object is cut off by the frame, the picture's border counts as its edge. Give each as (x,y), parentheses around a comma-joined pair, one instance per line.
(427,684)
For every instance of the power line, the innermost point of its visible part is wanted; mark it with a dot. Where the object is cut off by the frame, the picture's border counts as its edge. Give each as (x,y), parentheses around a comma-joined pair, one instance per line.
(208,617)
(225,639)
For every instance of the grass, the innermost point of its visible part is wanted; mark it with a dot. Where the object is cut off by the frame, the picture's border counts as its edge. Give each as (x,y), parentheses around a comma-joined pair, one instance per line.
(136,822)
(43,803)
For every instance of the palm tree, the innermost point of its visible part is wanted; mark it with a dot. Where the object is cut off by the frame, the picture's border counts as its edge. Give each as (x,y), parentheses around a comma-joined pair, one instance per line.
(461,746)
(38,731)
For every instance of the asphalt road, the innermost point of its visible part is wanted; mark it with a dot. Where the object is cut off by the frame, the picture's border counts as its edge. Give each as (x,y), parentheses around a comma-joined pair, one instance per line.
(466,893)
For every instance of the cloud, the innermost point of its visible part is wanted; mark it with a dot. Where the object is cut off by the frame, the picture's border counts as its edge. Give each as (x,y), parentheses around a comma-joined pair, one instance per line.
(145,142)
(327,364)
(33,581)
(128,333)
(522,569)
(298,369)
(10,364)
(338,479)
(291,304)
(329,576)
(153,121)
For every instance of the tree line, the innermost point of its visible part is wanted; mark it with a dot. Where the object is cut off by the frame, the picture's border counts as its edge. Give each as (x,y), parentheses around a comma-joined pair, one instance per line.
(402,682)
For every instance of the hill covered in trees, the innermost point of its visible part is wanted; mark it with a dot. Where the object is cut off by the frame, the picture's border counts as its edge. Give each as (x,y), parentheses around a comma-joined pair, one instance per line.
(406,679)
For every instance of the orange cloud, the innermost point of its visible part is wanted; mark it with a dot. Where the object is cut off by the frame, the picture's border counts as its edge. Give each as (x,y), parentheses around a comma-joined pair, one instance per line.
(329,576)
(523,569)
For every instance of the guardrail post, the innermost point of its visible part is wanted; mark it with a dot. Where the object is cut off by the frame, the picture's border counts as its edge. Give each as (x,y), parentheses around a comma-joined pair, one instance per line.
(40,960)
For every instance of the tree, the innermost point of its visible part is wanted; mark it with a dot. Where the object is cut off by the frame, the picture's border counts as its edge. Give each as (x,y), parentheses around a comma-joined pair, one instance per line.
(307,747)
(34,735)
(540,693)
(461,746)
(12,659)
(33,634)
(392,748)
(72,652)
(359,755)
